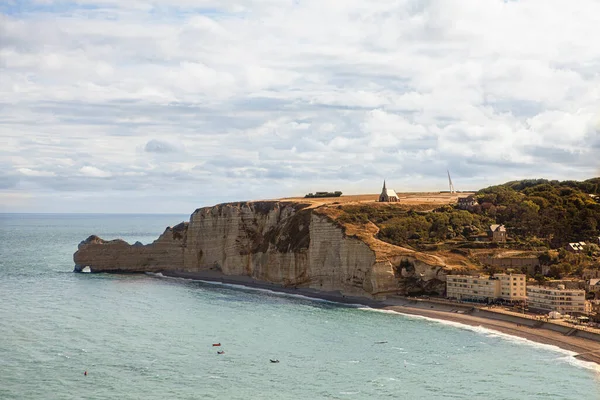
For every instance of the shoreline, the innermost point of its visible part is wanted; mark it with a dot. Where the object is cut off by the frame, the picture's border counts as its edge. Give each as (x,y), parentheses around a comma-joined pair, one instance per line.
(586,349)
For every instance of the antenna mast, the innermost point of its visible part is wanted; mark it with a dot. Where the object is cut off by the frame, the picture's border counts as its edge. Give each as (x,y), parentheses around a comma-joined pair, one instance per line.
(450,183)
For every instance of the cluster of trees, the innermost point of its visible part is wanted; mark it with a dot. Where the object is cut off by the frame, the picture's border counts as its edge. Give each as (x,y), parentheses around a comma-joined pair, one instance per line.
(337,193)
(434,226)
(556,212)
(406,226)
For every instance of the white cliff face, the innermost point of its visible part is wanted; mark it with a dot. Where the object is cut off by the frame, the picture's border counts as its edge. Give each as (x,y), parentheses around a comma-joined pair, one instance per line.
(280,243)
(271,241)
(338,262)
(241,239)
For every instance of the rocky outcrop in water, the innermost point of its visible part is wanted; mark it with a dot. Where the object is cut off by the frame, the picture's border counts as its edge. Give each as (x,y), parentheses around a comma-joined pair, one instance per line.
(273,241)
(165,253)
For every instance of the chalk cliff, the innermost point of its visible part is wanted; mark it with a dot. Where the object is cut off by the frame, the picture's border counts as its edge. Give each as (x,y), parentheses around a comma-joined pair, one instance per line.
(274,241)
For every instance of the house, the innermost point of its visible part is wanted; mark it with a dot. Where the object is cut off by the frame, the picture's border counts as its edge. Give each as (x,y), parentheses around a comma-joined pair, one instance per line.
(595,306)
(466,203)
(576,247)
(388,195)
(497,233)
(593,286)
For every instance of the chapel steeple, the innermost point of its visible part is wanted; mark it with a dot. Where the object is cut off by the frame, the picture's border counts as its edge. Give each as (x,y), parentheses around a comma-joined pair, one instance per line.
(388,195)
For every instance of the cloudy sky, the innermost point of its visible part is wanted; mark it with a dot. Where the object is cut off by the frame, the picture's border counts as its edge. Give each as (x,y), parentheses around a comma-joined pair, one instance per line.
(169,105)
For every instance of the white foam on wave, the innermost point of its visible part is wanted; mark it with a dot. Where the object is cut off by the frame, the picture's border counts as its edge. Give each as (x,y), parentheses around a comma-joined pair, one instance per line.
(568,356)
(384,378)
(269,291)
(86,270)
(580,363)
(257,289)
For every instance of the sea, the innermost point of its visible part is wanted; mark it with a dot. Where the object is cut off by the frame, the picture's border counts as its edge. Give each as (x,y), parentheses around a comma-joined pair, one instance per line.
(144,336)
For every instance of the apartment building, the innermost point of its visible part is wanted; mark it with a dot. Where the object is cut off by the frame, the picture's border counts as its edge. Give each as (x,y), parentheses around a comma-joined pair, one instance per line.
(509,287)
(470,287)
(565,301)
(513,287)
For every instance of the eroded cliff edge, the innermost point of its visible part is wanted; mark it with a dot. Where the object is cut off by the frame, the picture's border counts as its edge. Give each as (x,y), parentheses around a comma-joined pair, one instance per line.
(280,242)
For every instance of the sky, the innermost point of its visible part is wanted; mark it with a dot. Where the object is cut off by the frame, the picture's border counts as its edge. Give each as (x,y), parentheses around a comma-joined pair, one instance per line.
(157,106)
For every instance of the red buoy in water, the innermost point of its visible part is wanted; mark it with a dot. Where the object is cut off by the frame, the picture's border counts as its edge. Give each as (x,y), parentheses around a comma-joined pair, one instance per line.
(85,373)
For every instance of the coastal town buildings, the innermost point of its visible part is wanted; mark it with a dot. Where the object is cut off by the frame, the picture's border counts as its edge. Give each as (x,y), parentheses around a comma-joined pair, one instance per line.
(509,287)
(388,195)
(497,233)
(513,288)
(565,301)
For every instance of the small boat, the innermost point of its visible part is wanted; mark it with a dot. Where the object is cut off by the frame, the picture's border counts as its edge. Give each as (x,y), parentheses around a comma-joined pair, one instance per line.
(274,361)
(216,344)
(220,352)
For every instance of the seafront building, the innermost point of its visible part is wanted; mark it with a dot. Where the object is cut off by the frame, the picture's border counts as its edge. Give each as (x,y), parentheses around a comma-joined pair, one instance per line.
(565,301)
(469,287)
(513,287)
(510,287)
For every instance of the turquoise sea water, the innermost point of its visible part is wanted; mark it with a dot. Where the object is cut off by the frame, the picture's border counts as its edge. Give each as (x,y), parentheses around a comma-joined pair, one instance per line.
(146,337)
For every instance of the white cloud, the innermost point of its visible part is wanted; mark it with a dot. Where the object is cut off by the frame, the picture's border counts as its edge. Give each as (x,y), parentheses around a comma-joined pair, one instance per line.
(243,99)
(94,172)
(32,172)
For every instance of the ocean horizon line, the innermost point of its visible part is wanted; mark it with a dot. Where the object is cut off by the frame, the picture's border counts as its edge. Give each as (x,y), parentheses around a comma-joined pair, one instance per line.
(89,213)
